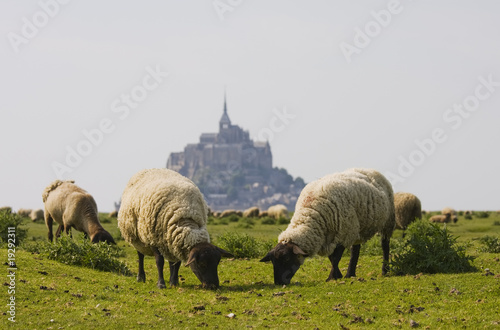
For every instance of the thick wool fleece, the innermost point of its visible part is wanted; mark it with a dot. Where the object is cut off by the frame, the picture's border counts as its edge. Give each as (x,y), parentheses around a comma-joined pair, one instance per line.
(277,211)
(407,208)
(344,208)
(71,206)
(163,209)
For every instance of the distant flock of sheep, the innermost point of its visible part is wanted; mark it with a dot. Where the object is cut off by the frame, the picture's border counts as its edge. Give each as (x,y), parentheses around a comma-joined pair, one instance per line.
(163,214)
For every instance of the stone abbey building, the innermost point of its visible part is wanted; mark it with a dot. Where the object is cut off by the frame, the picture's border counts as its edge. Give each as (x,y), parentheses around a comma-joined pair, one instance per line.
(233,171)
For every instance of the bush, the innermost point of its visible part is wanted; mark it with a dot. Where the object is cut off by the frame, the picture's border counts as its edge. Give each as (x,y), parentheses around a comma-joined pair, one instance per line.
(246,223)
(283,221)
(482,214)
(430,249)
(496,223)
(11,220)
(243,245)
(468,217)
(233,218)
(491,244)
(100,256)
(268,221)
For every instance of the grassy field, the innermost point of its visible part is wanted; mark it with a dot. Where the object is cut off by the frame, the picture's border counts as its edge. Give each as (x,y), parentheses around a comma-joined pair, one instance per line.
(51,295)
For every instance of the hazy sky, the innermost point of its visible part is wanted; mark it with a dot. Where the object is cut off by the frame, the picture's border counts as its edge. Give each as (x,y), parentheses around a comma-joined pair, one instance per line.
(95,91)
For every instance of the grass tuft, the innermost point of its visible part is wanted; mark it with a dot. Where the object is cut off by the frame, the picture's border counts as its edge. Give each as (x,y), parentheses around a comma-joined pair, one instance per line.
(99,256)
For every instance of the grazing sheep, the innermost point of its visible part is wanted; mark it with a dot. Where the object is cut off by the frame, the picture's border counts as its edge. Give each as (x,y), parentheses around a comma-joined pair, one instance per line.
(71,206)
(252,212)
(452,212)
(337,211)
(36,215)
(113,214)
(227,213)
(441,218)
(263,214)
(278,211)
(163,214)
(24,212)
(407,208)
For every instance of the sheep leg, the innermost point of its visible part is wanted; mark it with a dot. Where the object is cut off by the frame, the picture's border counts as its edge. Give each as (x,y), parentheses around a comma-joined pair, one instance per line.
(385,253)
(335,259)
(174,272)
(48,222)
(351,270)
(58,231)
(160,261)
(141,276)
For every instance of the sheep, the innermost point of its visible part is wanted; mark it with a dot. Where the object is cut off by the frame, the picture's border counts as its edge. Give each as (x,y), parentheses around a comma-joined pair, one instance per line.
(278,211)
(252,212)
(263,214)
(24,212)
(442,218)
(163,214)
(452,212)
(407,208)
(227,213)
(113,214)
(71,206)
(337,211)
(36,215)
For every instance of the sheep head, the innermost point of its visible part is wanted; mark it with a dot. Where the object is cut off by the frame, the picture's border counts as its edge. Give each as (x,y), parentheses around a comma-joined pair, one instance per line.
(103,236)
(203,260)
(287,259)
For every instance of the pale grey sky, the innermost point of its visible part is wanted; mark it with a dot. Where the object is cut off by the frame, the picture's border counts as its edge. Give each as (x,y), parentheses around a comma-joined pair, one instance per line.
(411,88)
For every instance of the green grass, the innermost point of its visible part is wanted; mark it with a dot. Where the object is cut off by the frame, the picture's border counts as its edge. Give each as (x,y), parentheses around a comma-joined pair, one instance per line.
(53,295)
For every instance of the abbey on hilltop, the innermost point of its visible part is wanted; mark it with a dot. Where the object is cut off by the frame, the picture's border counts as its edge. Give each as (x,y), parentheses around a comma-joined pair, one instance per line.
(233,171)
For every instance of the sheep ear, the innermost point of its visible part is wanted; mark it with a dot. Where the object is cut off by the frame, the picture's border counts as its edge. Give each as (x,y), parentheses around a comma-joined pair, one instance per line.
(267,257)
(224,253)
(190,261)
(297,250)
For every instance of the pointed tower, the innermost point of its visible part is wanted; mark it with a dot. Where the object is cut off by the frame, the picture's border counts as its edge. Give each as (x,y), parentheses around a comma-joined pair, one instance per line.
(224,122)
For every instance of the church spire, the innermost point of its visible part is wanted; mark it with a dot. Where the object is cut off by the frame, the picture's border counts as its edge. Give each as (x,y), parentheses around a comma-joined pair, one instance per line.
(225,105)
(224,122)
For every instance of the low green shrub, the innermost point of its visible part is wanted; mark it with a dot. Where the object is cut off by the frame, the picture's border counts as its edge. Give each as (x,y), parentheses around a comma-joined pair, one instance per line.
(496,223)
(491,244)
(10,224)
(268,221)
(468,217)
(246,223)
(482,214)
(233,218)
(429,249)
(243,245)
(100,256)
(283,221)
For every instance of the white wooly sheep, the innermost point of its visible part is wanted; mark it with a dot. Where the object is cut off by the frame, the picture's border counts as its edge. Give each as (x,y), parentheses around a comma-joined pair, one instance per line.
(36,215)
(441,218)
(163,214)
(24,212)
(252,212)
(337,211)
(407,208)
(451,212)
(72,207)
(278,211)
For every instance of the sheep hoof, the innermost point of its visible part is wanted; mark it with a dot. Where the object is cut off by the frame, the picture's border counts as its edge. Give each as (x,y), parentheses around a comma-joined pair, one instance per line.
(141,279)
(161,285)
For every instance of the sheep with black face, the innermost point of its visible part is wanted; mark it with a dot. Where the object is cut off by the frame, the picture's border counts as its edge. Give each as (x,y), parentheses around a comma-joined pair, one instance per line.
(337,211)
(163,214)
